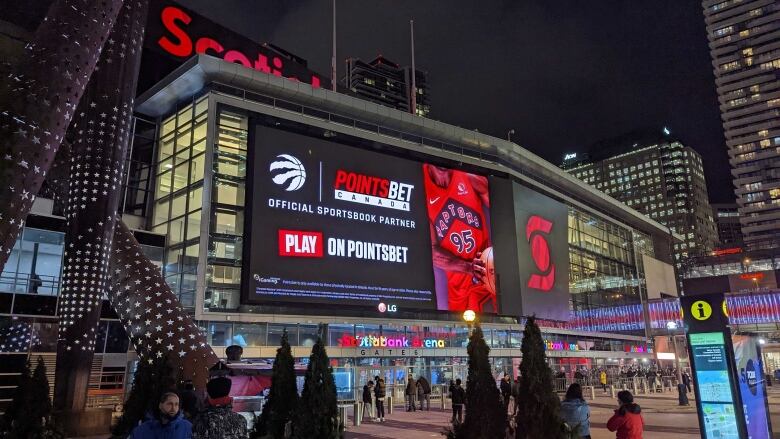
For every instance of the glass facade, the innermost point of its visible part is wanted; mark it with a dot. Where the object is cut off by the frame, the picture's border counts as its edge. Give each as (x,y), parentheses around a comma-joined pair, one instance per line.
(453,336)
(178,195)
(226,225)
(604,270)
(34,264)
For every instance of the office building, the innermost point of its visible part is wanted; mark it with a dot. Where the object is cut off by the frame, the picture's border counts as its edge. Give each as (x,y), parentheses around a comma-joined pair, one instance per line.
(653,172)
(726,217)
(387,83)
(744,41)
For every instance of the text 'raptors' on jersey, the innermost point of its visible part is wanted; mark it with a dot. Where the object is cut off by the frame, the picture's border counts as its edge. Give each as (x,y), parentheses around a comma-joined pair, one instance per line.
(456,203)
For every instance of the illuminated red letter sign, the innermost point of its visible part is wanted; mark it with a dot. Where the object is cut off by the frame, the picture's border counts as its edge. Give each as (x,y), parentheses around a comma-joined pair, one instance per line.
(535,233)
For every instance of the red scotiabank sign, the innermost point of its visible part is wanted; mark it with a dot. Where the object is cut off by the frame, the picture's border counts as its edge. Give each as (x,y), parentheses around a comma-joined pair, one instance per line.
(181,33)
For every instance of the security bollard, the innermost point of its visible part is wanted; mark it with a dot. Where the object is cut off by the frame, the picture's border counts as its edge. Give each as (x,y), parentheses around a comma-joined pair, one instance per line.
(358,412)
(635,387)
(592,392)
(644,387)
(389,404)
(612,391)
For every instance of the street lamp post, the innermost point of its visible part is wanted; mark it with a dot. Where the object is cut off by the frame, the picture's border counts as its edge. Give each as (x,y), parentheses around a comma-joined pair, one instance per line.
(672,326)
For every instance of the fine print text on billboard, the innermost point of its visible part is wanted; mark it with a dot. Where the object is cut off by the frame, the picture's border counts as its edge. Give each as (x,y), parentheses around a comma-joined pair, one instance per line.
(338,225)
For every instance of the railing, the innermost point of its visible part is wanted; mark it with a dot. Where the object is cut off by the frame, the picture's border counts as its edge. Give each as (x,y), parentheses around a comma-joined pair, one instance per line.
(13,282)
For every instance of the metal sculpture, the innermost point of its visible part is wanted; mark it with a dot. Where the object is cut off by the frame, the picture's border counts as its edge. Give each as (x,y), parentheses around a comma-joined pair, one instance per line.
(38,101)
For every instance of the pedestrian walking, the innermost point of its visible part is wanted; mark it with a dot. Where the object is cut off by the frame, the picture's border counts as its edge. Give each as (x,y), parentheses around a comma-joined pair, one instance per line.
(166,423)
(191,404)
(411,394)
(651,377)
(515,394)
(458,396)
(506,391)
(219,421)
(424,392)
(686,377)
(603,380)
(627,421)
(575,411)
(379,394)
(368,401)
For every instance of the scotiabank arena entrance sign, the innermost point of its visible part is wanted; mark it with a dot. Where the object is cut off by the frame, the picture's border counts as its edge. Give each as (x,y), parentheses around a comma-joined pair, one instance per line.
(343,226)
(177,34)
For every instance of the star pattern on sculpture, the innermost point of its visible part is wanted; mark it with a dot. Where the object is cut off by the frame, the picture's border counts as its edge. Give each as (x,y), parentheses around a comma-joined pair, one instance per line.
(38,101)
(100,134)
(153,318)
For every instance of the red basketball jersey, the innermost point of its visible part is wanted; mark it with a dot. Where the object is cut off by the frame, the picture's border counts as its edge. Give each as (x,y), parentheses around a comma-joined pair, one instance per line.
(456,215)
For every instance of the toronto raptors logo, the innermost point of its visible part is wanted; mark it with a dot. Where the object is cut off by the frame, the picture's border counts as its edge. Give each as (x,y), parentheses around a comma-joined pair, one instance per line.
(288,172)
(536,231)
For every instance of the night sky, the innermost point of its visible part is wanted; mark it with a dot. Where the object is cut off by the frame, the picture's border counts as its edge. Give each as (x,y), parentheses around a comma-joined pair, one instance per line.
(562,74)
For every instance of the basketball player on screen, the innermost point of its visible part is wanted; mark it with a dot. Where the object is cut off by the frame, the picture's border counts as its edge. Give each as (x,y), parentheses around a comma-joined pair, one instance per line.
(460,239)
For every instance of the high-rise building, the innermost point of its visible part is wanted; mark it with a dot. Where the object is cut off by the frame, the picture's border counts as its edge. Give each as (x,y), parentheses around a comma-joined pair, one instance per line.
(387,83)
(727,222)
(744,40)
(654,173)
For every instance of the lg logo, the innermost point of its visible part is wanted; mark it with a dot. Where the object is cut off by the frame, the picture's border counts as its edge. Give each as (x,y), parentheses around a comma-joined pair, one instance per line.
(536,231)
(288,172)
(387,308)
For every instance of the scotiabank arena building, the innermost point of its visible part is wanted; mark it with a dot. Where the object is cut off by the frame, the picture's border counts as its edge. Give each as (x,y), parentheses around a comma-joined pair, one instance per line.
(274,204)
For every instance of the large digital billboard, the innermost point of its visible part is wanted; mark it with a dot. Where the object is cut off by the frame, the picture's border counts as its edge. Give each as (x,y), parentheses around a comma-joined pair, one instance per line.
(340,225)
(752,386)
(543,254)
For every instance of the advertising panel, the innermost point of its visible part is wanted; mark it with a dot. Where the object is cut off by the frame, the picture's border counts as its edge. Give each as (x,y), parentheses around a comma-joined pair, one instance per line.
(752,387)
(175,33)
(339,225)
(543,254)
(715,395)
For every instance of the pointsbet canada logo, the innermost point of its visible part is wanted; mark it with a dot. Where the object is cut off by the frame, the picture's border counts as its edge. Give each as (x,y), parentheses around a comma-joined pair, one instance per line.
(371,190)
(288,172)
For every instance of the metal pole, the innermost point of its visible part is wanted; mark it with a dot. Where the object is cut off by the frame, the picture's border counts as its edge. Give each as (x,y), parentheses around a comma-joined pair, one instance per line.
(413,105)
(676,357)
(333,78)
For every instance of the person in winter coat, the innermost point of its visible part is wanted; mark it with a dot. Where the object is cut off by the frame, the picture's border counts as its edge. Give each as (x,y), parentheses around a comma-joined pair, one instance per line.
(411,394)
(506,391)
(424,392)
(686,378)
(219,421)
(191,405)
(603,380)
(458,396)
(379,394)
(575,411)
(627,420)
(168,424)
(368,401)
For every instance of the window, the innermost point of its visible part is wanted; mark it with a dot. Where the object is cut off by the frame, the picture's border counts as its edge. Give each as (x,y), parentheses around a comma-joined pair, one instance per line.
(250,334)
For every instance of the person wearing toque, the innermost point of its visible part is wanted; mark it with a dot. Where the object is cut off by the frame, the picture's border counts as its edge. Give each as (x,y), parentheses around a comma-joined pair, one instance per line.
(219,421)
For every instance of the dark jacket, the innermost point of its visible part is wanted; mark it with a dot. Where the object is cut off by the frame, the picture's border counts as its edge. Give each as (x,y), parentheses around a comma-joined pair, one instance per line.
(506,388)
(219,422)
(411,388)
(379,389)
(177,428)
(426,386)
(576,413)
(458,395)
(367,394)
(627,422)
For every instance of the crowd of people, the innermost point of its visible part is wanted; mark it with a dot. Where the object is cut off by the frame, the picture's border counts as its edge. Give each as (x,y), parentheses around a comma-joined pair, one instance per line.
(182,415)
